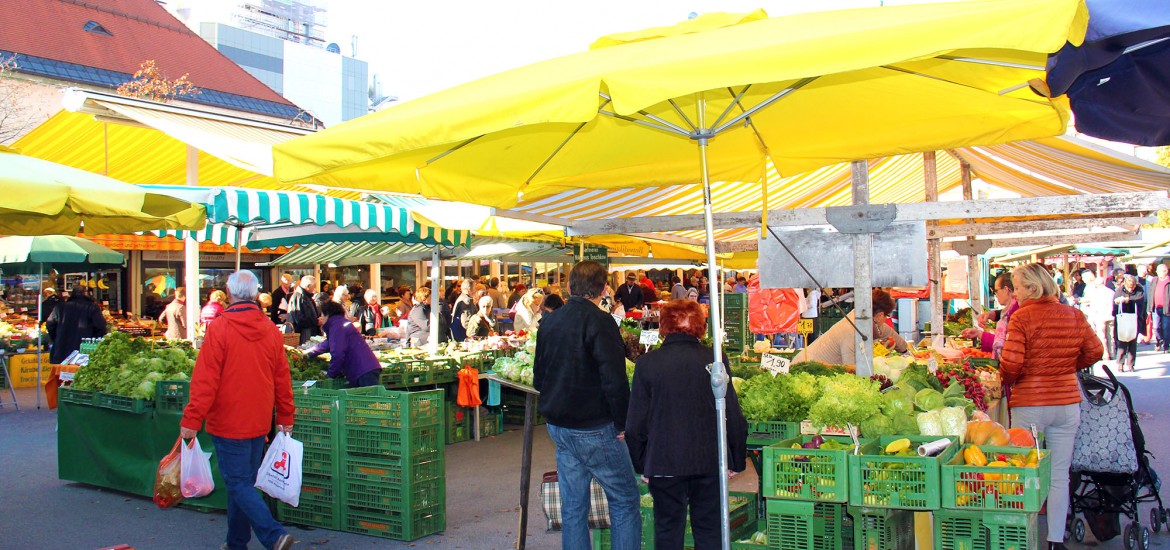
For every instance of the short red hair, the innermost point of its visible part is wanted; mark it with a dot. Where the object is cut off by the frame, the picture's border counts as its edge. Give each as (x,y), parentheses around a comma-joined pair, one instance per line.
(683,316)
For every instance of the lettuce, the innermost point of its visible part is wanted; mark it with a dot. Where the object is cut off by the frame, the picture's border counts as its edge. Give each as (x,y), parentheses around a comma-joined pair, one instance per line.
(897,402)
(906,424)
(930,423)
(954,422)
(846,399)
(929,400)
(784,398)
(877,425)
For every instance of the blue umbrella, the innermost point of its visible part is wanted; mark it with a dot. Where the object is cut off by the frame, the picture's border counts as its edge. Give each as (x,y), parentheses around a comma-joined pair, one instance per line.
(1118,81)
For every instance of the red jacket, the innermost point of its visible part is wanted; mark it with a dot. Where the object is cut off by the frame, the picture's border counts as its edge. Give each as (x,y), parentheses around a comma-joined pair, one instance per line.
(241,374)
(1046,344)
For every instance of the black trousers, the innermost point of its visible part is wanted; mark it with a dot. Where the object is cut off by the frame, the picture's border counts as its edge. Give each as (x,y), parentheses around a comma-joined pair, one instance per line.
(671,498)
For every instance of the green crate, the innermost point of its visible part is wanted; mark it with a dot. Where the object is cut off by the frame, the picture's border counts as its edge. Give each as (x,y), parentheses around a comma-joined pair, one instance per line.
(395,472)
(806,525)
(322,462)
(959,530)
(69,395)
(443,376)
(771,432)
(1013,489)
(882,528)
(311,514)
(806,474)
(745,545)
(420,443)
(904,482)
(394,497)
(458,423)
(735,300)
(171,395)
(315,406)
(316,435)
(395,380)
(122,403)
(491,423)
(390,409)
(398,526)
(1011,530)
(743,519)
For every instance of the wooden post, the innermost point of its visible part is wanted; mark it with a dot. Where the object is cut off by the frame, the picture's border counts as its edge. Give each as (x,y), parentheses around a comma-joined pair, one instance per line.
(862,275)
(526,468)
(933,247)
(975,286)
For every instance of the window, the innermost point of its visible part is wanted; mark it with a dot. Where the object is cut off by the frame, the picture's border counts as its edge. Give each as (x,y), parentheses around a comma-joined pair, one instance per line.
(96,28)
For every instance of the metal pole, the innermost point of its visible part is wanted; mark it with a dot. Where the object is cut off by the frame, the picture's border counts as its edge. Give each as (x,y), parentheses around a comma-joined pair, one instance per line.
(191,253)
(436,290)
(862,276)
(40,299)
(719,377)
(239,244)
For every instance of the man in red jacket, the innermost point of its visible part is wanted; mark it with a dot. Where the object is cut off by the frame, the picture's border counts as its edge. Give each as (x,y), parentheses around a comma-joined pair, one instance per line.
(240,376)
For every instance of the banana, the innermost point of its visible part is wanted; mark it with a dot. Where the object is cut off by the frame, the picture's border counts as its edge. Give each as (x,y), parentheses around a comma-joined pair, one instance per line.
(91,284)
(102,284)
(897,446)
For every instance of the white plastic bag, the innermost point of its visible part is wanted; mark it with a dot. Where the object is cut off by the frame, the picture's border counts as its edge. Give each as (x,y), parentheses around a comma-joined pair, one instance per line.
(195,471)
(1127,327)
(280,472)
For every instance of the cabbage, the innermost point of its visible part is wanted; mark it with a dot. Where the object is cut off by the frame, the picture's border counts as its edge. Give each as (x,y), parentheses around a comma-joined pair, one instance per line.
(954,422)
(930,423)
(929,400)
(906,424)
(877,425)
(897,402)
(736,384)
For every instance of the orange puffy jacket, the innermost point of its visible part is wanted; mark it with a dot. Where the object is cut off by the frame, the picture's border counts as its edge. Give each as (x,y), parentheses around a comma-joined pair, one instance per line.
(1046,344)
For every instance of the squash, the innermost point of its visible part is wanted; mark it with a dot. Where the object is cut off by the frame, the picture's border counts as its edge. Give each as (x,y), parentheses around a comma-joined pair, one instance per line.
(973,456)
(987,433)
(1020,437)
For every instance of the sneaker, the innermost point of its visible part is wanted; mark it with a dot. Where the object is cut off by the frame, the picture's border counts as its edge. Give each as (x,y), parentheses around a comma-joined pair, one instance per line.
(283,543)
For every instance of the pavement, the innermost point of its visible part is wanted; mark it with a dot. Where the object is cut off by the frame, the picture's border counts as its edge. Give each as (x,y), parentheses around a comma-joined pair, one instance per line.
(37,510)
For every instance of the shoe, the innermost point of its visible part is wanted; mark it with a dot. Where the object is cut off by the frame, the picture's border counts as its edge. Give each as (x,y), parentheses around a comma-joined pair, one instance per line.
(284,542)
(1057,546)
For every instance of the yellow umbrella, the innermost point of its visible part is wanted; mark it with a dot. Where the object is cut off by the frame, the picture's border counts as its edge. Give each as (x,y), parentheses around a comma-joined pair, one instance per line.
(801,91)
(45,198)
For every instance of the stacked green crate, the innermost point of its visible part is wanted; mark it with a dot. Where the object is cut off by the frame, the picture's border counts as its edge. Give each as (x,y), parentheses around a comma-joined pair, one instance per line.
(884,528)
(743,519)
(512,406)
(392,445)
(316,425)
(975,530)
(808,525)
(735,322)
(458,423)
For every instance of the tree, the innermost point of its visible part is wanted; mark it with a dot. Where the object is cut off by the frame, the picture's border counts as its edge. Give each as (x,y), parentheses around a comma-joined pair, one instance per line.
(1162,156)
(150,83)
(16,115)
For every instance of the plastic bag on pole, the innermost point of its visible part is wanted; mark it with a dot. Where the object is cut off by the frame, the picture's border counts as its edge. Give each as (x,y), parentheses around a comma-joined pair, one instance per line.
(166,480)
(195,473)
(773,310)
(280,472)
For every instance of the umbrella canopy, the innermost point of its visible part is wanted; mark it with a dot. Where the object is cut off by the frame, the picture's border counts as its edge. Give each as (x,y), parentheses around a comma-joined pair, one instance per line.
(45,198)
(266,219)
(803,91)
(1118,81)
(60,252)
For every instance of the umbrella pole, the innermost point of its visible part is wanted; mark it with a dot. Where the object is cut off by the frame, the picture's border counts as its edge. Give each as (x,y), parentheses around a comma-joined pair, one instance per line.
(436,295)
(40,299)
(719,378)
(239,243)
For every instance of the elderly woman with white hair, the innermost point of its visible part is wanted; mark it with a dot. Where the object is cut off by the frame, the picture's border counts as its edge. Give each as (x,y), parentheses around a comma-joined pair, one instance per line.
(528,310)
(482,322)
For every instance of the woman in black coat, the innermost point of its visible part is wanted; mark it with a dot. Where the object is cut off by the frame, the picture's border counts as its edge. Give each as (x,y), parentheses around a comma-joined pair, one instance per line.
(1129,297)
(672,434)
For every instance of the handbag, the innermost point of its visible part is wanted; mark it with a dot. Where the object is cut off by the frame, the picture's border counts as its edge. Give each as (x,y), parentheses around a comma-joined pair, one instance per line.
(1126,327)
(1104,441)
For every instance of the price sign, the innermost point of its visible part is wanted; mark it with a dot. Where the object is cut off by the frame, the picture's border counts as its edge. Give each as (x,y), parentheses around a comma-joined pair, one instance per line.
(309,383)
(106,303)
(804,326)
(932,365)
(648,337)
(775,364)
(65,376)
(24,310)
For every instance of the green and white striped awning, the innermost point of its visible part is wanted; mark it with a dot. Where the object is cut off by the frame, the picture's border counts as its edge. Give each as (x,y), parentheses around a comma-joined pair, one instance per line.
(259,218)
(495,248)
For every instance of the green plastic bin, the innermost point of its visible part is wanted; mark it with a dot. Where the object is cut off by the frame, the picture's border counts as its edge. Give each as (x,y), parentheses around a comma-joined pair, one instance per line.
(806,474)
(903,482)
(1011,489)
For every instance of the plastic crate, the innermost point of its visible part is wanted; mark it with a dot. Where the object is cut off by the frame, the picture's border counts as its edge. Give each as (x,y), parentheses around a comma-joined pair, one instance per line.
(1011,530)
(806,474)
(406,379)
(392,472)
(394,497)
(319,462)
(769,433)
(806,525)
(397,526)
(491,423)
(882,528)
(419,443)
(311,514)
(316,435)
(1012,489)
(389,409)
(315,406)
(743,518)
(977,362)
(69,395)
(171,395)
(458,423)
(904,482)
(959,530)
(443,376)
(734,300)
(122,403)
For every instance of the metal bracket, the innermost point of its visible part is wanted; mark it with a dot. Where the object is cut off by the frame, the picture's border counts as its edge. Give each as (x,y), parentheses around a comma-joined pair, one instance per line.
(971,248)
(871,218)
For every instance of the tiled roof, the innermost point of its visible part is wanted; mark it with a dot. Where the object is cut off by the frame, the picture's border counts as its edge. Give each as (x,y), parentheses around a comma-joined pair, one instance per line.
(50,39)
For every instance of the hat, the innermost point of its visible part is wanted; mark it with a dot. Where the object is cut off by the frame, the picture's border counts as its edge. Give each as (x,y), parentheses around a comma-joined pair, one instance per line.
(631,276)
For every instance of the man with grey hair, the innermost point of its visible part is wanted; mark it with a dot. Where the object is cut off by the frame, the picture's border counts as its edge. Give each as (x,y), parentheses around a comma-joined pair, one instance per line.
(241,376)
(302,310)
(280,298)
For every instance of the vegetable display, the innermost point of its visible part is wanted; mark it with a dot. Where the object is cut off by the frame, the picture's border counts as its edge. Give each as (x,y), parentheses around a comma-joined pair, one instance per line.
(784,398)
(846,400)
(129,367)
(303,367)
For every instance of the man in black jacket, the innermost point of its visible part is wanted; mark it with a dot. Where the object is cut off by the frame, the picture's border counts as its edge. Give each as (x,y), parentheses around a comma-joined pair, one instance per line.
(302,310)
(580,372)
(280,298)
(630,294)
(76,318)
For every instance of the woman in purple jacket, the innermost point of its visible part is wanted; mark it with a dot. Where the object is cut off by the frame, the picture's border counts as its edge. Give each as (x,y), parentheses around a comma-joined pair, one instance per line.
(993,341)
(348,352)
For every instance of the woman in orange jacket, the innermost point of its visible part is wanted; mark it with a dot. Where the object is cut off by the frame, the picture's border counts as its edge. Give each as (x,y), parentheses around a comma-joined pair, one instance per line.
(1046,344)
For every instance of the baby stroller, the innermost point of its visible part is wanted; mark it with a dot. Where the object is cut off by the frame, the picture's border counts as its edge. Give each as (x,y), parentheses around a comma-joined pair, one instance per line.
(1111,473)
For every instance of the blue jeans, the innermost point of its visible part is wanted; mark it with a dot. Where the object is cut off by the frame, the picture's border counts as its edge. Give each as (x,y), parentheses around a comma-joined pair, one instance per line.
(239,459)
(372,378)
(596,453)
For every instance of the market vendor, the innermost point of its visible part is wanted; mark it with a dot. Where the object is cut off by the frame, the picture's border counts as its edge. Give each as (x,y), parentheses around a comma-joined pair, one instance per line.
(349,354)
(837,345)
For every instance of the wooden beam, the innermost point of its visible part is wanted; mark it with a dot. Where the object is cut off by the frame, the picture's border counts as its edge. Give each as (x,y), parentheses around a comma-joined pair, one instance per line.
(528,216)
(1099,204)
(1031,226)
(1051,240)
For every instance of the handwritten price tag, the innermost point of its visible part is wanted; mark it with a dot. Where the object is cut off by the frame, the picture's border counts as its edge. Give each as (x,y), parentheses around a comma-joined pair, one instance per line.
(648,337)
(804,326)
(775,364)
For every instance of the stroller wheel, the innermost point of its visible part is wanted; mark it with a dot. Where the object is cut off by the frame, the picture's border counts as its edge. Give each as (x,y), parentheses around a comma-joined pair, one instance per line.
(1078,531)
(1145,538)
(1155,520)
(1130,536)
